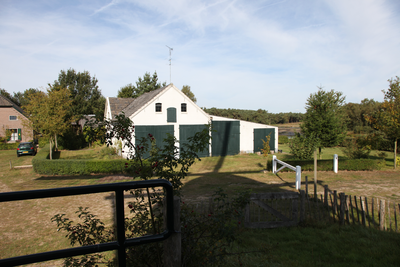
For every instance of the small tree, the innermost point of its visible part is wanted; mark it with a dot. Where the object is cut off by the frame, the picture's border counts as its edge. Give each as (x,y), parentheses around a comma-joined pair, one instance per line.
(324,118)
(266,150)
(387,118)
(303,147)
(49,113)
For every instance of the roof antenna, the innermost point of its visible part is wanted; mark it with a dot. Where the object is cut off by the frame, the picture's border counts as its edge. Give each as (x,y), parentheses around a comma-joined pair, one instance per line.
(170,61)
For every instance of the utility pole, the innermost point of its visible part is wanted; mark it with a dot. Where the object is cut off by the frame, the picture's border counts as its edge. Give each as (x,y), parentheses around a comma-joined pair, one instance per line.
(170,61)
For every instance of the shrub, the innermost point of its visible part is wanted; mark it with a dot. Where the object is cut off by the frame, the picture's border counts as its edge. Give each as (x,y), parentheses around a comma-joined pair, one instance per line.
(356,148)
(303,147)
(283,139)
(9,146)
(43,141)
(107,152)
(71,140)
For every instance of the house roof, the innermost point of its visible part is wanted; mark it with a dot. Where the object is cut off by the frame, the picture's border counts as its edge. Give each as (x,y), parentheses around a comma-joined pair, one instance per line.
(118,104)
(5,102)
(142,100)
(130,105)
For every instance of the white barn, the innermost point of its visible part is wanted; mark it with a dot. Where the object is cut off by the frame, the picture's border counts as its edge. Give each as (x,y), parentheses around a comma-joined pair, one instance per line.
(168,110)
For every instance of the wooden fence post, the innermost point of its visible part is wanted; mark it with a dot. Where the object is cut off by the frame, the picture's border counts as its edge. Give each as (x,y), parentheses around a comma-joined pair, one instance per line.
(307,185)
(326,196)
(172,245)
(366,206)
(342,208)
(335,209)
(362,204)
(390,219)
(395,216)
(302,206)
(347,209)
(358,212)
(382,215)
(352,211)
(372,211)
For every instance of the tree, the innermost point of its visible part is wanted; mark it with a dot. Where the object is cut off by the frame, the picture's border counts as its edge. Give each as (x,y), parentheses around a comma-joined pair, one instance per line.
(84,92)
(143,85)
(126,91)
(186,90)
(49,113)
(22,99)
(387,118)
(324,118)
(4,92)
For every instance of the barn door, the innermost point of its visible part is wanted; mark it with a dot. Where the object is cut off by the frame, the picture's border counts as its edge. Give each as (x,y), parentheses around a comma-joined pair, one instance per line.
(225,138)
(159,132)
(260,134)
(186,131)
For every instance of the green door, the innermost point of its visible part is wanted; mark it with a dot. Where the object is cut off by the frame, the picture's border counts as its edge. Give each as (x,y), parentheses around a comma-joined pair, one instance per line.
(186,131)
(225,138)
(260,134)
(159,132)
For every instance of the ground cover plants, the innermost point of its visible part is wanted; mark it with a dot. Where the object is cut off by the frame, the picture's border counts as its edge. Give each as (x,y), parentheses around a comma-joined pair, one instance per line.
(29,222)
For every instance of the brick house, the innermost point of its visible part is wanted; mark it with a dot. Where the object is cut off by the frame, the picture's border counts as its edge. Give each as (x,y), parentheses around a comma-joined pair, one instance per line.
(11,117)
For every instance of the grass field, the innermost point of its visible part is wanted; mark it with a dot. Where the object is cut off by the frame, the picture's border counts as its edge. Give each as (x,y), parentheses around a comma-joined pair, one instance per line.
(25,226)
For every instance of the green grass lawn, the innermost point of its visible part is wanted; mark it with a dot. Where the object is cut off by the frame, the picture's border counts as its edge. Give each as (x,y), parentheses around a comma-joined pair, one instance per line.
(28,222)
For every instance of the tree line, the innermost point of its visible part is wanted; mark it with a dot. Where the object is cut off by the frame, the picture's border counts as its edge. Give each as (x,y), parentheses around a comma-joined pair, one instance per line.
(258,116)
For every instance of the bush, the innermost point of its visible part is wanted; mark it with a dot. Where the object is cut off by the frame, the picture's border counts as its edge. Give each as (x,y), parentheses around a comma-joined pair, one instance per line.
(71,141)
(79,166)
(9,146)
(42,165)
(107,152)
(356,148)
(303,147)
(283,139)
(43,141)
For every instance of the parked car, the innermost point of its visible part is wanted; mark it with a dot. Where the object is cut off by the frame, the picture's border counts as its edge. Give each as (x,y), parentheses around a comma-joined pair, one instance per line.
(26,148)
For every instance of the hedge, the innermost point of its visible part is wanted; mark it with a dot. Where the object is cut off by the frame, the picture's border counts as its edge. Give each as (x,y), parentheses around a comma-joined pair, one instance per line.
(42,165)
(9,146)
(344,164)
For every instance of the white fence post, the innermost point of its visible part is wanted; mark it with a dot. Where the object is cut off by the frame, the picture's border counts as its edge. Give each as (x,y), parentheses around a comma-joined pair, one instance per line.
(273,164)
(298,177)
(335,163)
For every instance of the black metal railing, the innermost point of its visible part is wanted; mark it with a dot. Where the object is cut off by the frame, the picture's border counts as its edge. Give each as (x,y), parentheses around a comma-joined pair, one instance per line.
(120,245)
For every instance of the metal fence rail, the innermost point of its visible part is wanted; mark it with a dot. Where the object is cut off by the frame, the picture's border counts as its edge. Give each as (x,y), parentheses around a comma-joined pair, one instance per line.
(120,245)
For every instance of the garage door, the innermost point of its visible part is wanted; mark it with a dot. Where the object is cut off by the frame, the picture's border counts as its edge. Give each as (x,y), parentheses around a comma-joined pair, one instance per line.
(260,134)
(225,138)
(186,131)
(158,131)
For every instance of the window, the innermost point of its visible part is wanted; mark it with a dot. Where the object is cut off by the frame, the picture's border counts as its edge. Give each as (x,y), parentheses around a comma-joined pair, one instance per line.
(183,107)
(13,118)
(158,107)
(15,134)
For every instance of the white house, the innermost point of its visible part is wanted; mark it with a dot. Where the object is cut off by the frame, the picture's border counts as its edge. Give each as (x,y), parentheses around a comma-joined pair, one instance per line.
(168,110)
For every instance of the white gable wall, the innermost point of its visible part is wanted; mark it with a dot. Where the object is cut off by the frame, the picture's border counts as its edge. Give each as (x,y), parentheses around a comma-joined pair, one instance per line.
(170,97)
(247,135)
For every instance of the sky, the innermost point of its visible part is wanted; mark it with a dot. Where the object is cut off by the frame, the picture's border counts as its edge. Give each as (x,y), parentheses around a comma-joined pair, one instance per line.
(240,54)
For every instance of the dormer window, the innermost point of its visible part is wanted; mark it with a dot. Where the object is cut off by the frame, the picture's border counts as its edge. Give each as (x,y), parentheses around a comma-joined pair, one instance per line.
(183,107)
(158,107)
